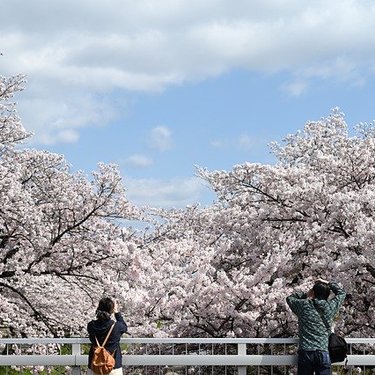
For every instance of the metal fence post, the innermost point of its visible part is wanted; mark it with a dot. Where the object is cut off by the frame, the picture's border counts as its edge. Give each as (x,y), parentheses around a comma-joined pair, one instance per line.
(241,350)
(76,351)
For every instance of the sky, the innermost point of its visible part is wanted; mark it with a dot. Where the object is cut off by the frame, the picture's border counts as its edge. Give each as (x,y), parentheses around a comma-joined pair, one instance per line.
(160,87)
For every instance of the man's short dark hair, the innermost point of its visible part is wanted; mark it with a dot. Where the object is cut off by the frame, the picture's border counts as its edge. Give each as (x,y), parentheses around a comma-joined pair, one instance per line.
(321,290)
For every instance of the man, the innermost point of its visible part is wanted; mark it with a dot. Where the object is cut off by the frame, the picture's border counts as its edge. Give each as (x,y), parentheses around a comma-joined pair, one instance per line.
(311,308)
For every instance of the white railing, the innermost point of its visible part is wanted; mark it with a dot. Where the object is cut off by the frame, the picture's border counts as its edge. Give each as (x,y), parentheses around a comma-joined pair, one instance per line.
(176,355)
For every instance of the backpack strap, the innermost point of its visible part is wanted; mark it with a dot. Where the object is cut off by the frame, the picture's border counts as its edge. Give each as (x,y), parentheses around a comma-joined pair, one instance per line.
(107,337)
(327,326)
(322,316)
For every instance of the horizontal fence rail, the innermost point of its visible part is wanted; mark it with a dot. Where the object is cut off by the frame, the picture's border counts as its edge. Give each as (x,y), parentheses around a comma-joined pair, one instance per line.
(177,355)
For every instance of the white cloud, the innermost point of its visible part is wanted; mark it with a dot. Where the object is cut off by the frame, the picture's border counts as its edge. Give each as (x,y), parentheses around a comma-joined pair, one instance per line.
(64,136)
(86,48)
(217,143)
(339,68)
(296,88)
(139,45)
(56,115)
(137,161)
(177,192)
(160,138)
(244,142)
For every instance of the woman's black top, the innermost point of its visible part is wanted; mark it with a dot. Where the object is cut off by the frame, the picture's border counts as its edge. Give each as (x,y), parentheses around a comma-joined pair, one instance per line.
(99,329)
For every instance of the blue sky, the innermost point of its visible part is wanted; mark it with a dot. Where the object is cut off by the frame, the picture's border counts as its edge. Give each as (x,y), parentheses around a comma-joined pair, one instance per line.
(159,86)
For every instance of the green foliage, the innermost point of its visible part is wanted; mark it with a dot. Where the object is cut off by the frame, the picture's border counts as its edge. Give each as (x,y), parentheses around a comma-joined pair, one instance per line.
(57,370)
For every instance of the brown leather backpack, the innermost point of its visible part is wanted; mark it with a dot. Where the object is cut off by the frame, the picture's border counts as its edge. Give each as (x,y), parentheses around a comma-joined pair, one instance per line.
(102,362)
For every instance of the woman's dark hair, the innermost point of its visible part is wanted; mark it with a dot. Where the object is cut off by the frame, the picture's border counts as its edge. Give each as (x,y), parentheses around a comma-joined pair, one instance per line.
(105,309)
(321,290)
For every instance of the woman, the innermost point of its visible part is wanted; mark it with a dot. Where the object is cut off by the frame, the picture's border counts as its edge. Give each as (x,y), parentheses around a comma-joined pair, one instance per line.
(100,327)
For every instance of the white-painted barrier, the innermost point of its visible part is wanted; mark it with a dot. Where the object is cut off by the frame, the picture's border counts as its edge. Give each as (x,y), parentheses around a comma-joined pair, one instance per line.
(184,353)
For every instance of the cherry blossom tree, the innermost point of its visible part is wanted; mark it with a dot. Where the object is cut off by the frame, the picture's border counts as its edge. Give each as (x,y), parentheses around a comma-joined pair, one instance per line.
(204,280)
(225,270)
(221,270)
(61,237)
